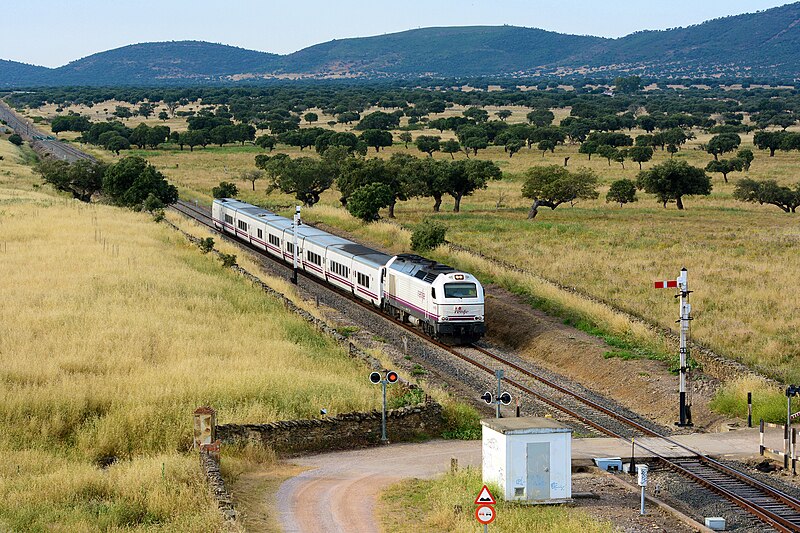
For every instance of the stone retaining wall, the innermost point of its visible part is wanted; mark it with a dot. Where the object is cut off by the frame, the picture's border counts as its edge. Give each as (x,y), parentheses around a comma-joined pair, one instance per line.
(210,466)
(344,431)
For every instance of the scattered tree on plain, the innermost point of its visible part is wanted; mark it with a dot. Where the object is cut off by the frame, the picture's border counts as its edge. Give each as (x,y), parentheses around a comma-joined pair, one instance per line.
(267,142)
(768,140)
(747,157)
(429,144)
(544,146)
(405,137)
(304,177)
(554,185)
(377,138)
(725,167)
(82,178)
(513,146)
(465,177)
(672,180)
(640,154)
(622,192)
(540,117)
(252,176)
(768,192)
(723,143)
(451,147)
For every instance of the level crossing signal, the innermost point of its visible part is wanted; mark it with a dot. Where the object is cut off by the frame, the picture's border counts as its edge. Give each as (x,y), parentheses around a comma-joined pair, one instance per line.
(389,378)
(505,398)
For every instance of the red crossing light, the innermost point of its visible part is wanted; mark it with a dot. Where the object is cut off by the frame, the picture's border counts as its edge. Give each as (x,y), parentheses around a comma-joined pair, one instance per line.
(391,376)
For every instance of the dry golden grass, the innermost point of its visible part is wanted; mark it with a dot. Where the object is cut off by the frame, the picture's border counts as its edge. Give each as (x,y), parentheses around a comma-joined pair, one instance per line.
(428,506)
(112,330)
(741,257)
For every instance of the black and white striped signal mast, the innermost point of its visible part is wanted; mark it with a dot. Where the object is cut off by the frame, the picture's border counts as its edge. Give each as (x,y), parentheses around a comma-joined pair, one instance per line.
(682,284)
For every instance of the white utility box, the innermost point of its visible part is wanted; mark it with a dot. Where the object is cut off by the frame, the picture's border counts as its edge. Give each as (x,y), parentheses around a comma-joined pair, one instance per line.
(529,458)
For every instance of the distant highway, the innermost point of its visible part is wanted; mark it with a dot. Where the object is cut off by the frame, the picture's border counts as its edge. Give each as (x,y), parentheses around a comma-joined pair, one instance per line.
(41,142)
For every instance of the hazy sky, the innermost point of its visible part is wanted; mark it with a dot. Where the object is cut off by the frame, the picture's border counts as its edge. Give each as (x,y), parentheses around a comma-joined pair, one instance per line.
(54,32)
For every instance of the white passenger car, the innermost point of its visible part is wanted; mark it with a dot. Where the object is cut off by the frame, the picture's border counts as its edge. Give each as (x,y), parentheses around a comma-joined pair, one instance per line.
(445,303)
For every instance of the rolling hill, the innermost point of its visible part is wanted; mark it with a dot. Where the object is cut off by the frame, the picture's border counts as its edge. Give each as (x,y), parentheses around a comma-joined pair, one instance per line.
(763,44)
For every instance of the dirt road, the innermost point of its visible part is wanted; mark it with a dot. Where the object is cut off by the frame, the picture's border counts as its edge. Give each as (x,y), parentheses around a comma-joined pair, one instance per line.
(339,491)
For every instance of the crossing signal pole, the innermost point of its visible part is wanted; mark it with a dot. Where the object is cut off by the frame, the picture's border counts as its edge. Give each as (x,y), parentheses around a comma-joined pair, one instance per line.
(501,398)
(391,377)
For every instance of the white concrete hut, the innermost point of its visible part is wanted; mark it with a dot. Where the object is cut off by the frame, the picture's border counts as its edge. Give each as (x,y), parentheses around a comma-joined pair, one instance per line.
(529,458)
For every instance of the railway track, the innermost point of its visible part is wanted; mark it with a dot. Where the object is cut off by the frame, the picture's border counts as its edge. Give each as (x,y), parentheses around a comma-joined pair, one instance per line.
(39,141)
(777,509)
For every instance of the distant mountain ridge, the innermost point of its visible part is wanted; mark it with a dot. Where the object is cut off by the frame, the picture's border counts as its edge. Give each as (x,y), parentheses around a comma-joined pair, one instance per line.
(765,44)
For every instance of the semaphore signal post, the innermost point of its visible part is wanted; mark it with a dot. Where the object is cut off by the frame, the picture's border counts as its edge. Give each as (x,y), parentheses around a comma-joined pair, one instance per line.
(682,284)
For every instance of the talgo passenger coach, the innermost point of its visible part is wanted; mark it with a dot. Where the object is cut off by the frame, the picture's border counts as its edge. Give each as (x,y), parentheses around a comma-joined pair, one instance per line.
(445,303)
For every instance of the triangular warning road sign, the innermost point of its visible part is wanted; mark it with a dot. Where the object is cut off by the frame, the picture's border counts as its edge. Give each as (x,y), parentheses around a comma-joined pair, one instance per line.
(485,497)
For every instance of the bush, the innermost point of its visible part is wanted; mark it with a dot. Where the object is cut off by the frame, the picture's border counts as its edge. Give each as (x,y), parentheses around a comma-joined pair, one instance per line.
(152,204)
(461,421)
(366,201)
(206,245)
(15,139)
(427,236)
(228,260)
(133,181)
(225,189)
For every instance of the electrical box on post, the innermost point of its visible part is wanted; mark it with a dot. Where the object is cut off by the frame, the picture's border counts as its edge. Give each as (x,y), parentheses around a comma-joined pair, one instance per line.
(641,471)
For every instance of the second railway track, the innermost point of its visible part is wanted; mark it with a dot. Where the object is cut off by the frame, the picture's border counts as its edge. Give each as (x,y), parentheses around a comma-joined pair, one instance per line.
(774,507)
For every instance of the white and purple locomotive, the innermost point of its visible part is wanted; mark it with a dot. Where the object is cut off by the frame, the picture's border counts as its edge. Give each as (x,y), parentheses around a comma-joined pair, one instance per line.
(445,303)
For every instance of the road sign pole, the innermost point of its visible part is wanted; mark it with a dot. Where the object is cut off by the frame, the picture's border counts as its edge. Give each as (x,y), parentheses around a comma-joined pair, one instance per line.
(499,375)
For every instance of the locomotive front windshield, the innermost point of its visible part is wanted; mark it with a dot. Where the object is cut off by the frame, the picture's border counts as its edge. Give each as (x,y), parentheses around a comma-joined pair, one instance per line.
(460,290)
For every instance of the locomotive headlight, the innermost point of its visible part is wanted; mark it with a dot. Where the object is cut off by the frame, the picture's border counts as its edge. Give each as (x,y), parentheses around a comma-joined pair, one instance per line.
(444,319)
(479,318)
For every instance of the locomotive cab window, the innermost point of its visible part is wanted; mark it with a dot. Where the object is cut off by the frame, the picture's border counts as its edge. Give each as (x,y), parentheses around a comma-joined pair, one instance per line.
(433,293)
(460,290)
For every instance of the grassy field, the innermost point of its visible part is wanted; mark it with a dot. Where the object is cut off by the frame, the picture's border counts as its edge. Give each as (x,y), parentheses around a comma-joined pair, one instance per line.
(445,505)
(741,257)
(112,330)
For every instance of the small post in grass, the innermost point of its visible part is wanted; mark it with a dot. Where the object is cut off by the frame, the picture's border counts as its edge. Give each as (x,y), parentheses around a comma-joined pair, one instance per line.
(749,409)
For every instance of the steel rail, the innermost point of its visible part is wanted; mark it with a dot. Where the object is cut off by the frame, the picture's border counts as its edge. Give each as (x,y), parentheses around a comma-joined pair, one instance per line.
(767,515)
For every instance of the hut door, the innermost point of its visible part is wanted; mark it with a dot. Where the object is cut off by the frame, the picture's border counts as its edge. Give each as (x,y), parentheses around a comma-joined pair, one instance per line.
(538,468)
